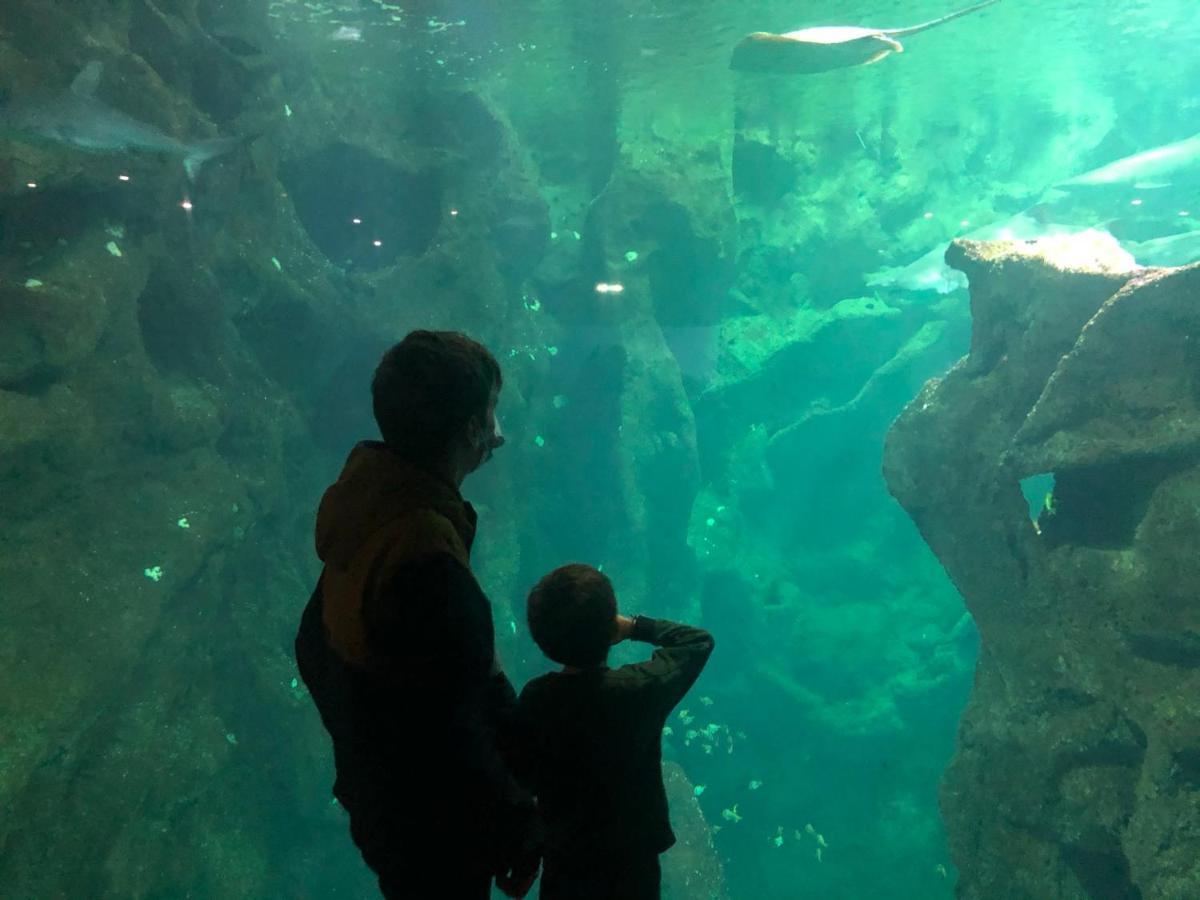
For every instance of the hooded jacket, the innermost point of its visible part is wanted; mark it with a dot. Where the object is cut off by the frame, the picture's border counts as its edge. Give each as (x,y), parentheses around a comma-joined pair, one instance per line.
(396,647)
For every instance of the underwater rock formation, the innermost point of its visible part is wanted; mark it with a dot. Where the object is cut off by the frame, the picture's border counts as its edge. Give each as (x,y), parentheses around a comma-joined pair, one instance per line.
(182,366)
(1076,773)
(691,869)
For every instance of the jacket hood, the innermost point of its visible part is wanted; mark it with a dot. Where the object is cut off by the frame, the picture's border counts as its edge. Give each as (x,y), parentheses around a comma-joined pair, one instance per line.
(376,487)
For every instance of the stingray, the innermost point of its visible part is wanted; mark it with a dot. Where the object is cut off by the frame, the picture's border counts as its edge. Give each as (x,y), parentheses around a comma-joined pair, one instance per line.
(828,47)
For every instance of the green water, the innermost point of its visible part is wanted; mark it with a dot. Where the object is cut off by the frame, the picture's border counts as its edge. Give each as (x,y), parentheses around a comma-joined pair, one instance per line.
(695,280)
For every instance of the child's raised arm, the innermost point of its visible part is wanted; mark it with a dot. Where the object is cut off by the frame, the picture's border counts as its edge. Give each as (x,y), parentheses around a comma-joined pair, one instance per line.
(676,664)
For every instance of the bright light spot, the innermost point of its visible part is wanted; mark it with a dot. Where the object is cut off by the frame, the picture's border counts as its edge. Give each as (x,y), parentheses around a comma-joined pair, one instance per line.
(454,212)
(32,185)
(1184,213)
(1006,234)
(603,288)
(1135,202)
(356,221)
(186,205)
(964,223)
(377,243)
(123,177)
(928,215)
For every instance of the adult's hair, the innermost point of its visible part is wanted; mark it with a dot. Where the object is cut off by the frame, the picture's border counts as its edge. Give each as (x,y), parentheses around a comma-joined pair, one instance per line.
(572,613)
(427,387)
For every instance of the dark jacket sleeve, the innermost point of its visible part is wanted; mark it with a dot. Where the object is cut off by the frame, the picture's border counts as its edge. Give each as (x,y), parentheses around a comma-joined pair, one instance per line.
(675,665)
(434,622)
(316,668)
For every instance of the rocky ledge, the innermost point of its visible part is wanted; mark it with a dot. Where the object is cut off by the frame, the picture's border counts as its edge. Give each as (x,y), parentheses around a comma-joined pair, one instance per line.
(1077,770)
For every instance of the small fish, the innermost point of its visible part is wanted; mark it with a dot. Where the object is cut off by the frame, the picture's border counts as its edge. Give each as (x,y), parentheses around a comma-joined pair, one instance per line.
(818,854)
(706,700)
(939,869)
(699,789)
(668,731)
(755,784)
(347,33)
(731,814)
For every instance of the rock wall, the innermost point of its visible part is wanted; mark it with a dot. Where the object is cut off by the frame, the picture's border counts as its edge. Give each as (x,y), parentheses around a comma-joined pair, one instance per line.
(668,260)
(182,367)
(1075,772)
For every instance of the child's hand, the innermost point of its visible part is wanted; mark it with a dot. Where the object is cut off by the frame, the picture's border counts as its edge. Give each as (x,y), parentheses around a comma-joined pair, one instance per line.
(624,628)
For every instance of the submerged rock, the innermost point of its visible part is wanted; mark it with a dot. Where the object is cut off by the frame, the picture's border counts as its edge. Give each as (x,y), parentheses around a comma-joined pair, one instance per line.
(1074,774)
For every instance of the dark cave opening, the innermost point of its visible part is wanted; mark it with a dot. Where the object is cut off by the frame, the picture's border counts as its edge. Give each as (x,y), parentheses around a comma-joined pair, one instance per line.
(182,325)
(362,211)
(689,278)
(760,175)
(1104,876)
(1101,506)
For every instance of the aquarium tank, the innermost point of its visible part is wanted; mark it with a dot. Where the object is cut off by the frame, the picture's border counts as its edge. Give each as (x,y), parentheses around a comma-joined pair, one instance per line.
(861,334)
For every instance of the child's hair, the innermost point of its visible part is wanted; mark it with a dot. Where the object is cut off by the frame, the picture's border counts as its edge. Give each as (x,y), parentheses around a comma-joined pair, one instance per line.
(572,613)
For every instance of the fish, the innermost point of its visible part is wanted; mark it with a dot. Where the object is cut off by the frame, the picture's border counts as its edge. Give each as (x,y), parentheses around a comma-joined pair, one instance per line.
(347,33)
(827,47)
(1146,169)
(930,274)
(78,119)
(1171,250)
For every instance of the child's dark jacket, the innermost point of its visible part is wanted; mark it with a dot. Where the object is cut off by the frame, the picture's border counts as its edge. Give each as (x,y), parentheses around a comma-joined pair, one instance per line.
(593,746)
